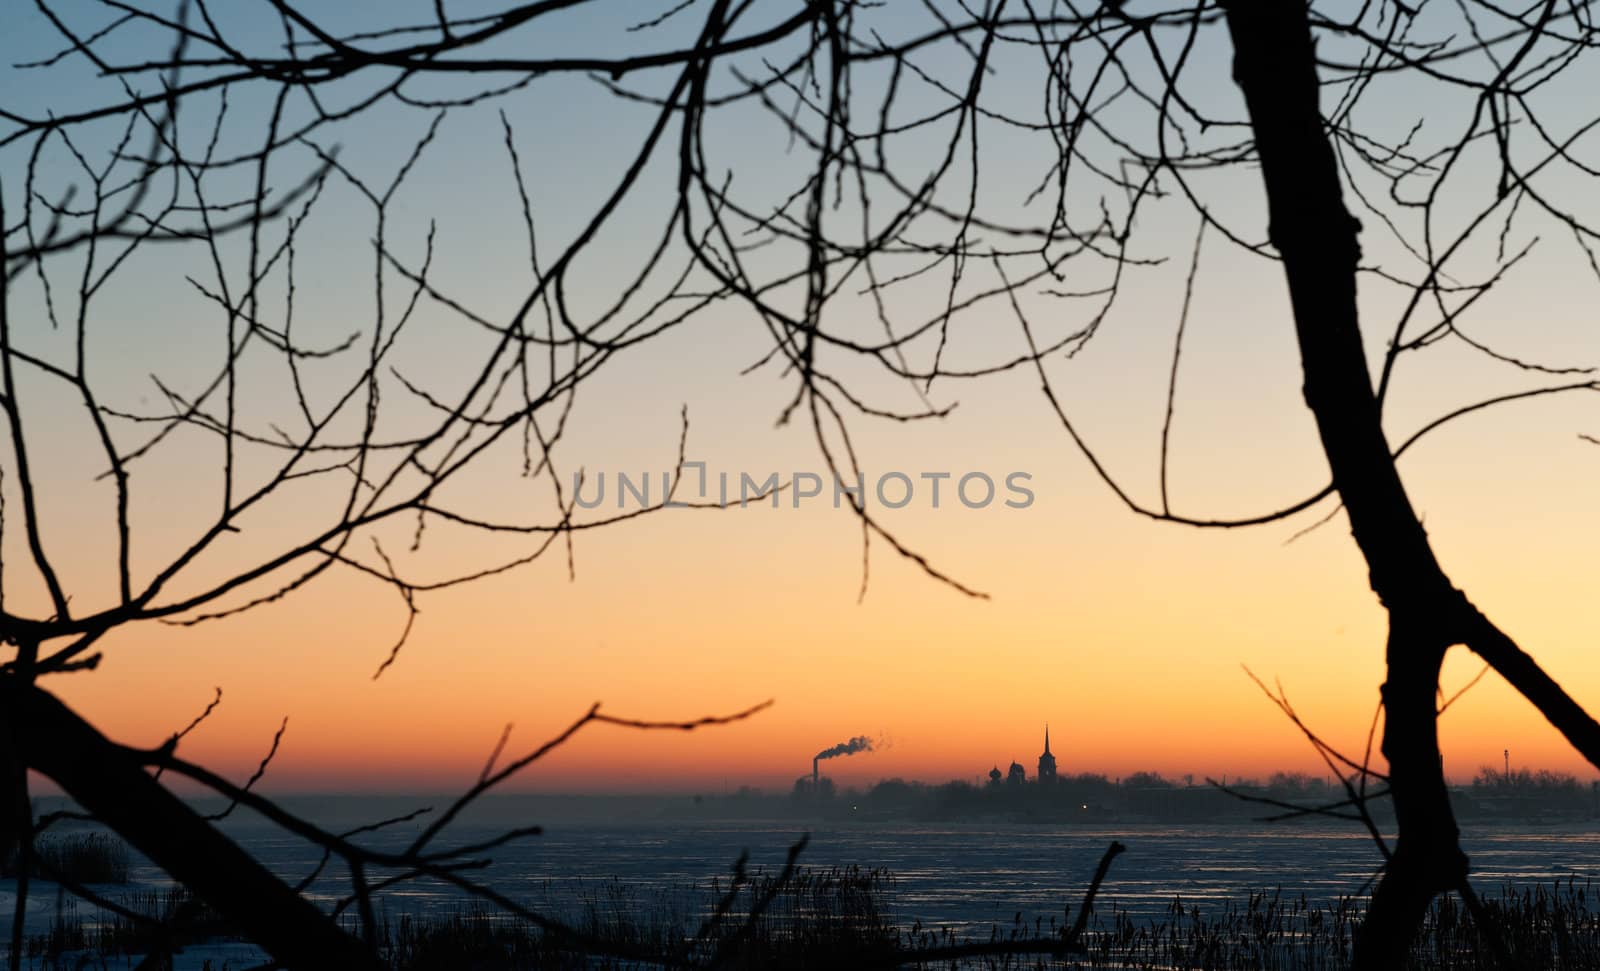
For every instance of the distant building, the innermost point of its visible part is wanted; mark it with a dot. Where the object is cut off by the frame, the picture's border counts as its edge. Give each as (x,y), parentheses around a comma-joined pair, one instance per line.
(1047,762)
(1017,775)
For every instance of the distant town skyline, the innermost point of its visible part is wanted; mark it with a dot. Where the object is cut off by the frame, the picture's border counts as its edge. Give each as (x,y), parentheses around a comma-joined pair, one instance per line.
(644,777)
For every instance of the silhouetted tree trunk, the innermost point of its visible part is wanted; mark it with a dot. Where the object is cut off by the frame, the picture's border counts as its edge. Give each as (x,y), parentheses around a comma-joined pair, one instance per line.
(1274,64)
(109,781)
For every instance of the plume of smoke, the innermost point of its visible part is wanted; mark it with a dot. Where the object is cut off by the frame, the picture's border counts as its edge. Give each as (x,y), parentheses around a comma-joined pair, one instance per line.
(860,743)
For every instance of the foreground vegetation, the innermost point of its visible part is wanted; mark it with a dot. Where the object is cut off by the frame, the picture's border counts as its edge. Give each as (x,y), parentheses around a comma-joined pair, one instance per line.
(844,918)
(78,858)
(839,919)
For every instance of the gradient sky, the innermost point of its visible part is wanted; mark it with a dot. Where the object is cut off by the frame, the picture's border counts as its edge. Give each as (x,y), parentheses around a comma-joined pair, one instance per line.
(1126,636)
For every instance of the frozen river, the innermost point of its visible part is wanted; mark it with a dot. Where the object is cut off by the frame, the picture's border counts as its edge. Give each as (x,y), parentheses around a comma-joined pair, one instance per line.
(969,876)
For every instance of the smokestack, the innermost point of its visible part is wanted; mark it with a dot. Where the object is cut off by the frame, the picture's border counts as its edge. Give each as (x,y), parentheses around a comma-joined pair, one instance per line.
(860,743)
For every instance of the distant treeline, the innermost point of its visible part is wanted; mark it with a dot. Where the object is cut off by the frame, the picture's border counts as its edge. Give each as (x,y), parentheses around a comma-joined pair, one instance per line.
(1520,796)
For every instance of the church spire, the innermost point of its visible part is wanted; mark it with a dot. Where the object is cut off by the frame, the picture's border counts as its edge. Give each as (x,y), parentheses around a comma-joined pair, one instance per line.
(1047,762)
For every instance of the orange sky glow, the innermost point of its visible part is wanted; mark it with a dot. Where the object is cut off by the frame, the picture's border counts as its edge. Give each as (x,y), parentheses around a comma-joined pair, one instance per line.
(1130,638)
